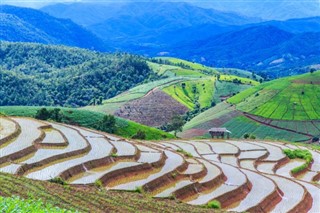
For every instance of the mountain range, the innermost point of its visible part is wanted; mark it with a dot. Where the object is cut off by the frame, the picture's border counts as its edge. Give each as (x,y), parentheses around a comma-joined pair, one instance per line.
(208,36)
(30,25)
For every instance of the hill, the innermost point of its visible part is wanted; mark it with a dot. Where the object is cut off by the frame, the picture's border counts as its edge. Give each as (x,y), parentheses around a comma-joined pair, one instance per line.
(89,119)
(29,25)
(259,48)
(282,109)
(291,98)
(34,74)
(188,89)
(92,166)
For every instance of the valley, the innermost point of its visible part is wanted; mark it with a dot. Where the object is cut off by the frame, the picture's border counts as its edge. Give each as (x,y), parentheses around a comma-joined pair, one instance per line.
(159,106)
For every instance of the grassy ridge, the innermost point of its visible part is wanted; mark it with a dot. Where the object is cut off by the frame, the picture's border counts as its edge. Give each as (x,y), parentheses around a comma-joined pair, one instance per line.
(171,70)
(89,119)
(192,65)
(87,199)
(292,98)
(231,78)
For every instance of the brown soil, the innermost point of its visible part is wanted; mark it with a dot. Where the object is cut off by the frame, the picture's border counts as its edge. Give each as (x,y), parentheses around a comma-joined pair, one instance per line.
(154,109)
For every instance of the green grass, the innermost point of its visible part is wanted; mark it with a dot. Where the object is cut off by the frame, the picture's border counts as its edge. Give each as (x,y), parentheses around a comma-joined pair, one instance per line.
(214,204)
(224,88)
(16,204)
(231,78)
(200,90)
(89,119)
(301,154)
(212,113)
(292,98)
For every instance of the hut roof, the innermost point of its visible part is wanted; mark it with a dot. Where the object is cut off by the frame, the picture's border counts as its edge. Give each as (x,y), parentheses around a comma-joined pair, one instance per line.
(220,129)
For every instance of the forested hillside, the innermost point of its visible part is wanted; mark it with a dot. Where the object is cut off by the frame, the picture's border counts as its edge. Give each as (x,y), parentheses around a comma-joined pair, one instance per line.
(34,74)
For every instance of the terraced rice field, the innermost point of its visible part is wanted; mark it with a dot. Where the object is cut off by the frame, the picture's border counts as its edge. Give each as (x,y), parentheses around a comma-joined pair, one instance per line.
(244,176)
(292,98)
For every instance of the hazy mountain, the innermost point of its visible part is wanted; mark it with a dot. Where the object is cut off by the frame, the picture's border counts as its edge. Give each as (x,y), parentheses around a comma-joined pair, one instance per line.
(258,48)
(297,25)
(29,25)
(267,9)
(148,24)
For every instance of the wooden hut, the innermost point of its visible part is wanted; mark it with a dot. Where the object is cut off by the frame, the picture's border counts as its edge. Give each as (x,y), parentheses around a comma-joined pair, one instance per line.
(219,132)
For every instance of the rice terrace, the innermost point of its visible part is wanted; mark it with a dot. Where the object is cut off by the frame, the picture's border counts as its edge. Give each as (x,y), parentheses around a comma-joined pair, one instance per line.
(185,106)
(240,176)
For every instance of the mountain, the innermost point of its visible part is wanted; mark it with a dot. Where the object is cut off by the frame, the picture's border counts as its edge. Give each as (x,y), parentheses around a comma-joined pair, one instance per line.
(36,74)
(260,48)
(297,25)
(147,24)
(29,25)
(267,9)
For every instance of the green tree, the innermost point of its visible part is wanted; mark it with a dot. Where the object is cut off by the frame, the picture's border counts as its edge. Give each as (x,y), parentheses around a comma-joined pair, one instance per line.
(108,124)
(42,114)
(56,115)
(176,124)
(139,135)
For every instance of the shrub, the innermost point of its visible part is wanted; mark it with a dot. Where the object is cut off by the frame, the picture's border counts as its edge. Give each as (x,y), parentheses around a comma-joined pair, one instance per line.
(252,137)
(246,136)
(299,153)
(139,135)
(139,189)
(185,153)
(98,183)
(42,114)
(58,180)
(108,124)
(214,204)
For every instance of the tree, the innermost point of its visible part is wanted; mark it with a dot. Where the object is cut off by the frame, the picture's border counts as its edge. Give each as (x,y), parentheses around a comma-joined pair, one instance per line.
(312,70)
(42,114)
(246,136)
(108,124)
(176,124)
(139,135)
(56,115)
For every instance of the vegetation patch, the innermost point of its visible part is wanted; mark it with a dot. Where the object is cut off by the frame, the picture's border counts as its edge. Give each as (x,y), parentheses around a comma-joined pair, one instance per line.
(214,204)
(63,76)
(16,204)
(301,154)
(185,153)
